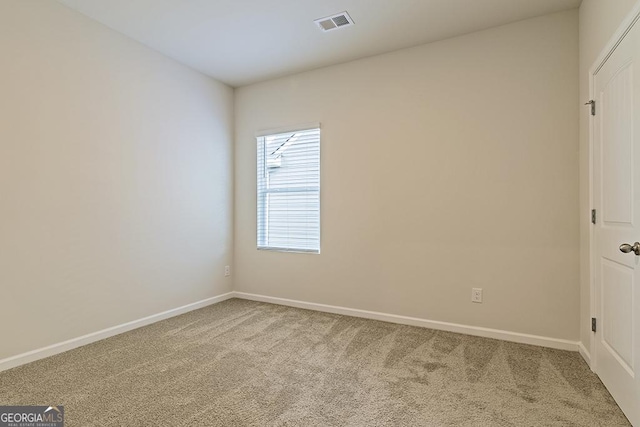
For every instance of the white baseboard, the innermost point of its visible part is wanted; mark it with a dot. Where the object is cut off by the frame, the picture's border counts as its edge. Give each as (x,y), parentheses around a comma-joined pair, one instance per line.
(584,353)
(41,353)
(414,321)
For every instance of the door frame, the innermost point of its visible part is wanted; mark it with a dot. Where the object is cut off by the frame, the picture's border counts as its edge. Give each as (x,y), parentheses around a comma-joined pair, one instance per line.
(628,22)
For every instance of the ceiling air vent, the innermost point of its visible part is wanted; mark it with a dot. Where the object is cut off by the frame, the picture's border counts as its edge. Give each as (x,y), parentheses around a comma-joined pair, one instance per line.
(334,21)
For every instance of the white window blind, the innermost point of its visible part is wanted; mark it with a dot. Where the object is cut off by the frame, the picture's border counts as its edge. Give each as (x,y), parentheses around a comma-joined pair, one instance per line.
(289,191)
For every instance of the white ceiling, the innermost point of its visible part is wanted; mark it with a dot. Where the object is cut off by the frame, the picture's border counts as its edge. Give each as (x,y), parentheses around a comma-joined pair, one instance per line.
(243,41)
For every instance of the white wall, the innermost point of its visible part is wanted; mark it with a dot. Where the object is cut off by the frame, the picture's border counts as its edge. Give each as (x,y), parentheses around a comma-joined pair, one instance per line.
(599,20)
(447,166)
(115,179)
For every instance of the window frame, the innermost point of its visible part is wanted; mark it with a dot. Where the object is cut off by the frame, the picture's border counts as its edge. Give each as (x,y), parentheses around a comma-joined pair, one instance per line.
(271,132)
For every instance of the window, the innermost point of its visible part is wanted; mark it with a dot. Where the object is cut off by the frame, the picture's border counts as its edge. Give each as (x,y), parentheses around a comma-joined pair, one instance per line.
(289,191)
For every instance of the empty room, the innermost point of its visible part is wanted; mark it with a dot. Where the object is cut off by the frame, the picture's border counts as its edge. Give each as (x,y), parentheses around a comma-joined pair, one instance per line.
(319,213)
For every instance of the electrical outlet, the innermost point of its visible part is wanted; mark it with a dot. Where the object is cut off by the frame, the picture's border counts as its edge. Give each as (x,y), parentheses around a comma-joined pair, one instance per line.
(227,270)
(476,295)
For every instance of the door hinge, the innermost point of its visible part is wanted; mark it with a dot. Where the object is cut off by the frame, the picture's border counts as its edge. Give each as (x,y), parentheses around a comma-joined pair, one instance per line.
(593,216)
(593,324)
(593,107)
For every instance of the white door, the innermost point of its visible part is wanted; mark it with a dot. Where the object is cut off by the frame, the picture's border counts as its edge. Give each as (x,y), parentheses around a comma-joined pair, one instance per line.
(616,191)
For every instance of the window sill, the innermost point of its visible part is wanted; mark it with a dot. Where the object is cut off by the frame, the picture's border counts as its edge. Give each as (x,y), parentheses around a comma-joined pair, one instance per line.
(290,250)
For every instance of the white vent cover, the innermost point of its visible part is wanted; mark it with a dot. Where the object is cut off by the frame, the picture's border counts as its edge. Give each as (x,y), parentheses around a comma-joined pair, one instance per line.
(334,21)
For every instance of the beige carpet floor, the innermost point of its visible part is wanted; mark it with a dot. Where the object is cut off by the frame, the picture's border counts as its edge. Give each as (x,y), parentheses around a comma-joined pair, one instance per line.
(243,363)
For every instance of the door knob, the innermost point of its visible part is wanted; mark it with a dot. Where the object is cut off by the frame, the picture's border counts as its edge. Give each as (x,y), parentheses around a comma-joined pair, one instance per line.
(626,248)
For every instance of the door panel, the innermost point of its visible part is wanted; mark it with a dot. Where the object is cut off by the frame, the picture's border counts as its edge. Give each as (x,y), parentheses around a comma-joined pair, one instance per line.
(616,316)
(617,150)
(616,192)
